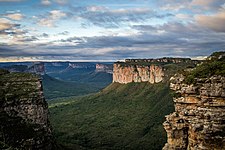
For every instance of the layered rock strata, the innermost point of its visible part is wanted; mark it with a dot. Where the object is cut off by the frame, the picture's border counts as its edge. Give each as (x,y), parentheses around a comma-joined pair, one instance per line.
(198,122)
(23,112)
(136,73)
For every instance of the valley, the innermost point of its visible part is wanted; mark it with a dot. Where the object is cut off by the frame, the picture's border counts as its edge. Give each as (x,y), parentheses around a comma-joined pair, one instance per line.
(112,75)
(128,116)
(89,110)
(65,79)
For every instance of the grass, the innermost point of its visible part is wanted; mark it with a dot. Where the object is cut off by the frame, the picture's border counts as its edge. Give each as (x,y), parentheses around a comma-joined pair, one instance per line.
(119,117)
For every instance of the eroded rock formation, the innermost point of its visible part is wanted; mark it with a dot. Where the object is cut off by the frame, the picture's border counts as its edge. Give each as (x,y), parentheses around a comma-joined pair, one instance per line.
(198,122)
(23,112)
(37,68)
(137,73)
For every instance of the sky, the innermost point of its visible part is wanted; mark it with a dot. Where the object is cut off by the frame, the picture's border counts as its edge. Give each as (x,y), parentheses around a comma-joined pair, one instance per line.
(110,30)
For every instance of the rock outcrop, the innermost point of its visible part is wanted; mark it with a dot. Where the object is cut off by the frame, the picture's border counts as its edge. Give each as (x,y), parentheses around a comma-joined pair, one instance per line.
(37,68)
(198,122)
(136,73)
(107,68)
(24,120)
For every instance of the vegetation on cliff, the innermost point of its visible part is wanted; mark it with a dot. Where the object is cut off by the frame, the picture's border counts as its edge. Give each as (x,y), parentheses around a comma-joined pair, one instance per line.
(126,116)
(23,113)
(214,65)
(198,120)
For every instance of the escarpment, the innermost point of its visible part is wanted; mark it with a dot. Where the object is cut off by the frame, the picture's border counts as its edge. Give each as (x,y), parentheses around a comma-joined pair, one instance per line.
(199,119)
(24,120)
(136,73)
(148,70)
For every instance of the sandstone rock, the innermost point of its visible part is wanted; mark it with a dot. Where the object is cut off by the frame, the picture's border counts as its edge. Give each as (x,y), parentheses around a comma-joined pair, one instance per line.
(198,122)
(135,73)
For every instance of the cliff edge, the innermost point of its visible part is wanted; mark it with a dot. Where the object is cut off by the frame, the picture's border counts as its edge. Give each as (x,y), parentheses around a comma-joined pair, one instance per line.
(24,120)
(198,122)
(149,70)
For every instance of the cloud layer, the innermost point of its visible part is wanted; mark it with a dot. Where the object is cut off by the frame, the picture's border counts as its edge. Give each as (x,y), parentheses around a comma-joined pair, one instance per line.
(109,30)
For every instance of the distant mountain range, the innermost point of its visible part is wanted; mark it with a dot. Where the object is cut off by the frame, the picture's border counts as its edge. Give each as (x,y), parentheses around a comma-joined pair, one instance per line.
(62,79)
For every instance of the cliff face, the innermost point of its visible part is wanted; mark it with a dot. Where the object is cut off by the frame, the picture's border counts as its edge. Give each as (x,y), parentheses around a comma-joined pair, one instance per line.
(136,73)
(199,119)
(37,68)
(23,112)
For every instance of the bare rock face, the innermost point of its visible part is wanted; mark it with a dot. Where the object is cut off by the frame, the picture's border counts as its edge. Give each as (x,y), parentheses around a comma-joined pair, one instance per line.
(37,68)
(136,73)
(198,122)
(23,112)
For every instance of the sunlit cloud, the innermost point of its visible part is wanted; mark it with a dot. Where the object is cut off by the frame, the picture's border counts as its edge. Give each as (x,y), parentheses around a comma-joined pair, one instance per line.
(6,24)
(46,2)
(14,16)
(215,22)
(51,18)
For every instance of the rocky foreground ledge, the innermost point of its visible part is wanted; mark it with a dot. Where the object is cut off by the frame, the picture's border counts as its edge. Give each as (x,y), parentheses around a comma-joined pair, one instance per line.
(198,122)
(24,120)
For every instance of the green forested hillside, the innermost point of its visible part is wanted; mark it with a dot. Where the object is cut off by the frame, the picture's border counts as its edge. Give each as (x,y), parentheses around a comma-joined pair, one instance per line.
(54,88)
(119,117)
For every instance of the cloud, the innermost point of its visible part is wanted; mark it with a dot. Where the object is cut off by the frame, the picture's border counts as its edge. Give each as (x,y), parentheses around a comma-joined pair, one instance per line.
(52,17)
(15,16)
(45,35)
(7,51)
(56,14)
(49,2)
(13,33)
(215,22)
(64,33)
(191,28)
(46,2)
(6,24)
(27,39)
(114,18)
(169,39)
(173,5)
(184,17)
(208,4)
(11,0)
(191,5)
(61,1)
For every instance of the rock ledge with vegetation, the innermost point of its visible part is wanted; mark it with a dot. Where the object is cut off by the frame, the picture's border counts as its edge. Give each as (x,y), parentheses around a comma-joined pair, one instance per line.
(23,113)
(199,118)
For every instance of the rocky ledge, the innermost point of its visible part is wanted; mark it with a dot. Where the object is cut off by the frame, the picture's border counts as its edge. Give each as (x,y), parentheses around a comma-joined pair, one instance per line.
(24,120)
(198,122)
